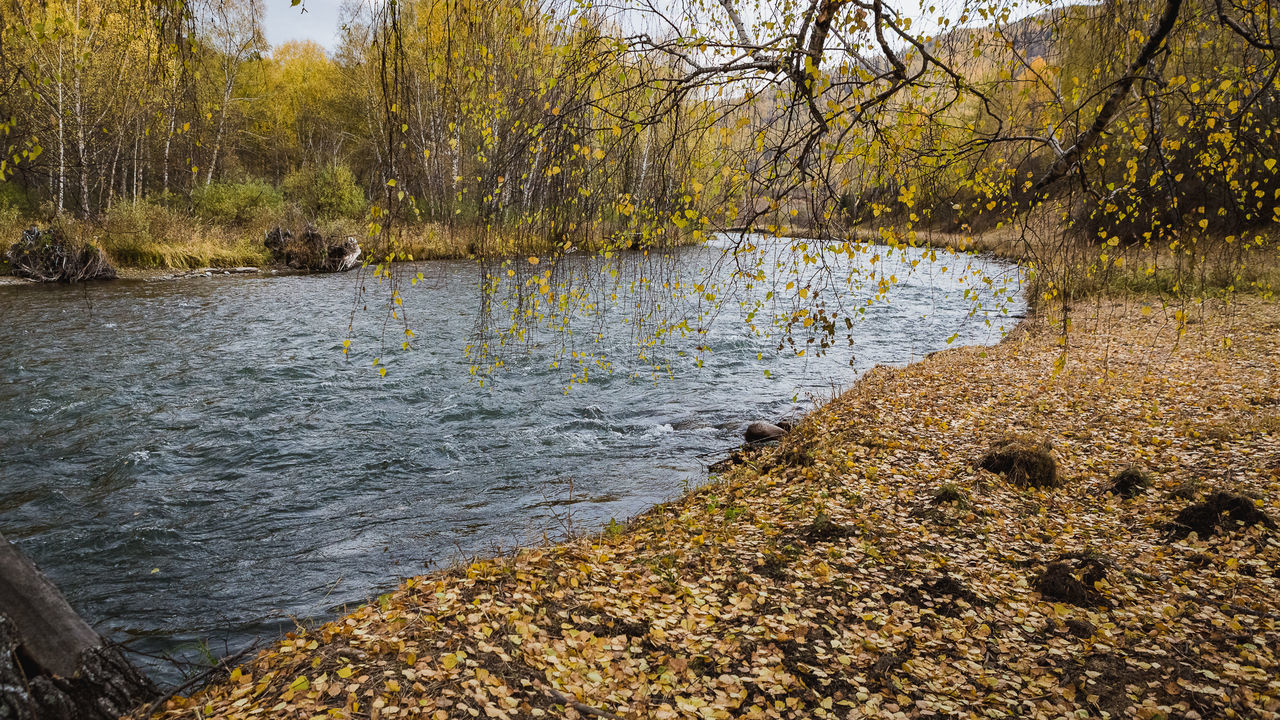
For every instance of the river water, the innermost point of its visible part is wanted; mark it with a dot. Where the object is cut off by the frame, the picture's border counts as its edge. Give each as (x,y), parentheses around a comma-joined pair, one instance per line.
(195,463)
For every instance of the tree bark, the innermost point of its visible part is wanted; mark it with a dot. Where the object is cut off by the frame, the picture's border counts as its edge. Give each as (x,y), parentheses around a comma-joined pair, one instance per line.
(53,666)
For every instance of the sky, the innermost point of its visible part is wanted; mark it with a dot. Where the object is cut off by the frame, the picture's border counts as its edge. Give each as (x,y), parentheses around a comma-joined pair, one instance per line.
(317,20)
(283,22)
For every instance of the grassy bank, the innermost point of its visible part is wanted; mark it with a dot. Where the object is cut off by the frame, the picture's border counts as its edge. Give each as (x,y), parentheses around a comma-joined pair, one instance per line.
(155,239)
(866,568)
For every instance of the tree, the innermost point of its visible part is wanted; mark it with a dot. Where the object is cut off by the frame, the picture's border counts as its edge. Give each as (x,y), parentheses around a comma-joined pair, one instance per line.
(53,666)
(235,36)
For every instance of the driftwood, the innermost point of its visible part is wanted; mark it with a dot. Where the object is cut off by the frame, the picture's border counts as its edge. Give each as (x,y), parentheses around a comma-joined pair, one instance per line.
(313,251)
(47,256)
(53,666)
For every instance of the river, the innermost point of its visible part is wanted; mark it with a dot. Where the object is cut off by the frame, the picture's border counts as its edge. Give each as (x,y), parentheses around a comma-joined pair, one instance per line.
(196,464)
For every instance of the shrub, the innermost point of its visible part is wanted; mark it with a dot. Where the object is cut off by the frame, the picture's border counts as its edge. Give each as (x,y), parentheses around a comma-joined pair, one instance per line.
(234,203)
(326,192)
(13,198)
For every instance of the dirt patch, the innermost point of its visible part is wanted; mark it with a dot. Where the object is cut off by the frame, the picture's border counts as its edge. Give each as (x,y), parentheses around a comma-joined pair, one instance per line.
(942,593)
(1080,628)
(1023,461)
(1107,678)
(1072,582)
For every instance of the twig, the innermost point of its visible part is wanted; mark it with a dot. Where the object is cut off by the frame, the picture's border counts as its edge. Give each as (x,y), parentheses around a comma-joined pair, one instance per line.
(580,707)
(222,664)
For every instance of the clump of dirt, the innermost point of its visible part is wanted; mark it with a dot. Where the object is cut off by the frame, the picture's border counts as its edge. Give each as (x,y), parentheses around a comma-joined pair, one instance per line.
(1185,490)
(775,561)
(1072,582)
(1023,461)
(1130,482)
(48,256)
(774,565)
(941,593)
(312,251)
(823,528)
(1221,511)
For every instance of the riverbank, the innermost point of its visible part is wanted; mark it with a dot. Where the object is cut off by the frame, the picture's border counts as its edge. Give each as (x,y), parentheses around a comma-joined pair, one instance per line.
(1063,264)
(157,243)
(866,568)
(163,243)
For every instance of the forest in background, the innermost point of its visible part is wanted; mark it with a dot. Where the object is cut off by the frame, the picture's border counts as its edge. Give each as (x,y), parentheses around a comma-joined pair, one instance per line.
(137,120)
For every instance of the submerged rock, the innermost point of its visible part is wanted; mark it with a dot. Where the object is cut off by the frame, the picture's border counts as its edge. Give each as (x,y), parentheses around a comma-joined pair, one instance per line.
(47,256)
(312,251)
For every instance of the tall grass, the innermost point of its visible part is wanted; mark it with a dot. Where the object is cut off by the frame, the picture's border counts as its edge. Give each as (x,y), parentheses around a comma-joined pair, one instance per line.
(152,236)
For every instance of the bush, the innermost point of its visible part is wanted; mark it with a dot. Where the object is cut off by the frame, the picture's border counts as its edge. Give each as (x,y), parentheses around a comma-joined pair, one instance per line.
(234,203)
(13,199)
(326,192)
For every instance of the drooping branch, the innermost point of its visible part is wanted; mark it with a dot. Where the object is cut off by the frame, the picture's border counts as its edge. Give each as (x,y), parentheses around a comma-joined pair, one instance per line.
(1240,30)
(1114,102)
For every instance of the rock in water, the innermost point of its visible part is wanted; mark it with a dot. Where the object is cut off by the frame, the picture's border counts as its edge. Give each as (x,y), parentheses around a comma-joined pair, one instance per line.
(312,251)
(760,432)
(47,256)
